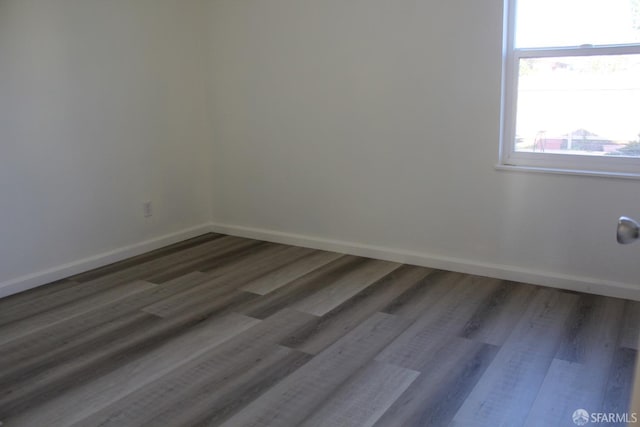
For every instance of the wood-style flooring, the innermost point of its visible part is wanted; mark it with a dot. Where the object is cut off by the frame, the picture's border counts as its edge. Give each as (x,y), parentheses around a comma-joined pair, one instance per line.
(221,330)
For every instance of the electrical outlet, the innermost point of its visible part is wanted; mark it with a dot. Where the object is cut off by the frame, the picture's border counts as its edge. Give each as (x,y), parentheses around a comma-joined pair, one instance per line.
(147,209)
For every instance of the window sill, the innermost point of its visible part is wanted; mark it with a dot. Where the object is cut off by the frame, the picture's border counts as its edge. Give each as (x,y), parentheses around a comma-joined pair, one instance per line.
(558,171)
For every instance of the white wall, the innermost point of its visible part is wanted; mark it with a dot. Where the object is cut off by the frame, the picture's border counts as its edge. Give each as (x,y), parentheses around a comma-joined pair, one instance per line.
(363,125)
(102,106)
(376,123)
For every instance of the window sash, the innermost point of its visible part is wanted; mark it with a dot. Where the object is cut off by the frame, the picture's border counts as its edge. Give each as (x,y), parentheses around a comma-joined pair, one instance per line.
(511,59)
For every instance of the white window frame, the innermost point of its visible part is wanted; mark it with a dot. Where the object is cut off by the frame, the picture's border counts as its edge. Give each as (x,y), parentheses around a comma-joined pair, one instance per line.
(549,162)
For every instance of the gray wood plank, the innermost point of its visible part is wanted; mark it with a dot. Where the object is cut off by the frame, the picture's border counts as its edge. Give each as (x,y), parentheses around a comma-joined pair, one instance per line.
(172,262)
(25,359)
(266,283)
(509,386)
(206,291)
(37,380)
(575,378)
(189,280)
(57,339)
(217,301)
(620,383)
(53,295)
(631,328)
(12,331)
(439,323)
(363,398)
(214,402)
(211,261)
(269,259)
(148,256)
(493,321)
(424,294)
(592,329)
(83,401)
(226,280)
(240,270)
(344,318)
(446,378)
(37,300)
(300,288)
(567,386)
(99,359)
(290,401)
(212,368)
(33,294)
(337,292)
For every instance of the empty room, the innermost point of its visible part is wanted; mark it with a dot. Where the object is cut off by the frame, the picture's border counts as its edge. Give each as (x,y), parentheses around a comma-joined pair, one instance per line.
(319,213)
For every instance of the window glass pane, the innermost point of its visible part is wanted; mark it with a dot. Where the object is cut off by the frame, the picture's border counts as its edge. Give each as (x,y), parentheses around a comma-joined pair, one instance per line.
(555,23)
(586,105)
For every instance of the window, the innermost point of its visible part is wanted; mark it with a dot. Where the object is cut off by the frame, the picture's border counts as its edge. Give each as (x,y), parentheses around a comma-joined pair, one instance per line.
(571,97)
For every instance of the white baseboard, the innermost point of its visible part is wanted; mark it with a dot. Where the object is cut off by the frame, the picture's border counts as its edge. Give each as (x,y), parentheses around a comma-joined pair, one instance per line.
(60,272)
(506,272)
